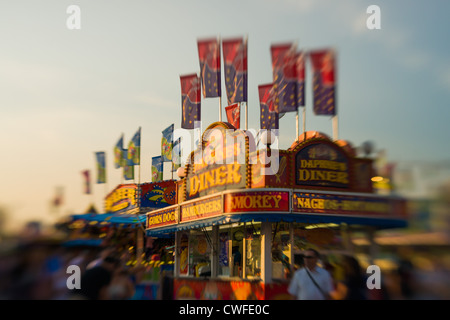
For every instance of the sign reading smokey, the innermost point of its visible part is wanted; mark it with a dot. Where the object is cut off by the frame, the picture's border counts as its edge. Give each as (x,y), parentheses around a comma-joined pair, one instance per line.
(220,164)
(162,218)
(341,204)
(322,164)
(201,209)
(257,201)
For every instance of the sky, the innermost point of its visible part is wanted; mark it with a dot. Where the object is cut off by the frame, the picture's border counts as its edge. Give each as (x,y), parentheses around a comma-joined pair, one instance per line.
(66,94)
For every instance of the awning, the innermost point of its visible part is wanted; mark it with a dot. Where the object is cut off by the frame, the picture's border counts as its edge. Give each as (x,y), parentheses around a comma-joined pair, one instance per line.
(380,223)
(131,220)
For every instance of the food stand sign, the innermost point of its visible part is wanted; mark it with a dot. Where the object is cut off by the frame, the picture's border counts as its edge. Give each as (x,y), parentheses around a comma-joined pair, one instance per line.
(322,164)
(122,198)
(162,218)
(257,201)
(201,209)
(220,164)
(158,195)
(341,204)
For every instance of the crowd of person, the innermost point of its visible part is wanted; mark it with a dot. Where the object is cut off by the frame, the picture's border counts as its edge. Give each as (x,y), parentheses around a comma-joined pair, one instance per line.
(40,272)
(317,279)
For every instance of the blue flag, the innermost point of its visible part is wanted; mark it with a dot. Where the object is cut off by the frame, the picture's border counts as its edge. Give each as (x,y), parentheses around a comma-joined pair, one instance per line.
(101,167)
(167,143)
(157,169)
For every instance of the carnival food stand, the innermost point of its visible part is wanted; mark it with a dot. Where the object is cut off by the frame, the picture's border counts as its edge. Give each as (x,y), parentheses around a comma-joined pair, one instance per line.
(239,233)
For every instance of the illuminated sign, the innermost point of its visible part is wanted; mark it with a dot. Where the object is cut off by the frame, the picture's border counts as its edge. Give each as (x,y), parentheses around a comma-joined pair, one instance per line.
(162,218)
(158,194)
(322,165)
(124,197)
(201,209)
(216,179)
(341,204)
(257,201)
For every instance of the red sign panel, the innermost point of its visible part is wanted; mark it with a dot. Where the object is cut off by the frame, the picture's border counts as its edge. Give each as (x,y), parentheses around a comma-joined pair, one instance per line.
(201,209)
(162,218)
(257,201)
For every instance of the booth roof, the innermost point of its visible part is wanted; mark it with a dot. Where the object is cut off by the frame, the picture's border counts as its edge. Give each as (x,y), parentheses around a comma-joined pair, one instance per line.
(113,218)
(380,223)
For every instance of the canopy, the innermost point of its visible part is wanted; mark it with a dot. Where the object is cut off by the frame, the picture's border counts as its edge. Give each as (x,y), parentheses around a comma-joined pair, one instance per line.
(380,223)
(132,220)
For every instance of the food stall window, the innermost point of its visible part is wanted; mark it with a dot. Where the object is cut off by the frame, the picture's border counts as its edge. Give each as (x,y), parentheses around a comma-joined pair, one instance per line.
(200,248)
(325,237)
(231,250)
(252,255)
(281,256)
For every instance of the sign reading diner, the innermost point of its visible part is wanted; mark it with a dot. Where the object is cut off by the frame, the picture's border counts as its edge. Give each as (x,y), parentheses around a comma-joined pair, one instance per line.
(322,164)
(219,165)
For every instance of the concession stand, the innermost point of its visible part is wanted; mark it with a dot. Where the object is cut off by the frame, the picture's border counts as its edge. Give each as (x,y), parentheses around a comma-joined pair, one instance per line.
(245,212)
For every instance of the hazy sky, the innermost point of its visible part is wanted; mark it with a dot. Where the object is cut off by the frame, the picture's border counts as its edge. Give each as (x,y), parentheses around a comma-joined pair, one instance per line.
(66,94)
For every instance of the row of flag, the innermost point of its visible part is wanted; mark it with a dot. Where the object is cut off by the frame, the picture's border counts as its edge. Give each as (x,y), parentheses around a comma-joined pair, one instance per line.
(209,83)
(287,91)
(285,94)
(128,158)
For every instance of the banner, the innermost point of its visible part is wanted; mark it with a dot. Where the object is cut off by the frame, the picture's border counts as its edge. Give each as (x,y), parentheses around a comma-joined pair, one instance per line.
(167,143)
(157,169)
(134,148)
(128,166)
(323,68)
(87,181)
(300,65)
(59,197)
(101,167)
(233,115)
(284,77)
(190,100)
(235,64)
(118,153)
(269,119)
(176,155)
(209,56)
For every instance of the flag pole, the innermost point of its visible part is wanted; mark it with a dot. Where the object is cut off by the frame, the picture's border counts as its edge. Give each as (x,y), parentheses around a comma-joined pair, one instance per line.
(304,119)
(220,88)
(246,102)
(140,144)
(335,117)
(335,127)
(295,45)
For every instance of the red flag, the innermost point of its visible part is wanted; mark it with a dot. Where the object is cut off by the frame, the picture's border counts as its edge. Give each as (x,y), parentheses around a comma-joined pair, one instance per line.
(234,115)
(87,181)
(209,56)
(235,64)
(284,66)
(269,119)
(190,100)
(59,197)
(323,67)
